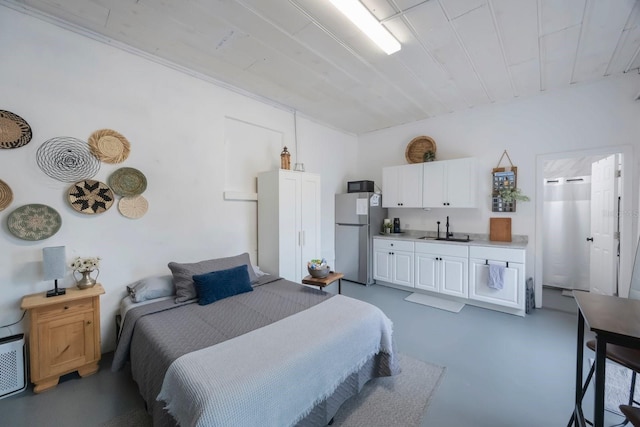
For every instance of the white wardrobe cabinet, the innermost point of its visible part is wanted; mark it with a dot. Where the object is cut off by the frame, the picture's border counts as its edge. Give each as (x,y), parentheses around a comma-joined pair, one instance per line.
(402,186)
(288,222)
(442,268)
(513,290)
(450,184)
(393,261)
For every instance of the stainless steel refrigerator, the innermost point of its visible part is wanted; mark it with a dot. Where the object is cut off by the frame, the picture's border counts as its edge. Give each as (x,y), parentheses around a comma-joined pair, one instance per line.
(358,217)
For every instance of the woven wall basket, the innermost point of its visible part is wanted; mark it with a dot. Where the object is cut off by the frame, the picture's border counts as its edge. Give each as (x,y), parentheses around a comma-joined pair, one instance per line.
(109,146)
(417,147)
(6,195)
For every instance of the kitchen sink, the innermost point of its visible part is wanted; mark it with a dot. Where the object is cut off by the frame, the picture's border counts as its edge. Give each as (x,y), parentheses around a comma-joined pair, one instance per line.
(450,239)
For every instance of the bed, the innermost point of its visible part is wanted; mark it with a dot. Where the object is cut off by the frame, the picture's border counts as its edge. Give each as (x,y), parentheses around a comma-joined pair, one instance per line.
(281,354)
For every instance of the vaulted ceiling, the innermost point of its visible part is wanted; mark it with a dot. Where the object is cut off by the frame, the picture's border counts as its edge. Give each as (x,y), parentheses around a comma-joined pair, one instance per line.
(305,55)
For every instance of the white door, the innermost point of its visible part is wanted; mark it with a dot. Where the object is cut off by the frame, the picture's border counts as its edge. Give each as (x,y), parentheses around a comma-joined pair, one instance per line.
(289,218)
(453,276)
(309,221)
(411,186)
(390,187)
(460,180)
(403,268)
(432,185)
(426,272)
(603,251)
(382,264)
(510,295)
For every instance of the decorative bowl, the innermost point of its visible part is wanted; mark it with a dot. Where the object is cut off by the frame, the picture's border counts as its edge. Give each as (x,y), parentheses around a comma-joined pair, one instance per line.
(319,273)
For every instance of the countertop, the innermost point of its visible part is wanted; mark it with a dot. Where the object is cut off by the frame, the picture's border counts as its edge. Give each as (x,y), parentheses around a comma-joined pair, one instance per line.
(518,242)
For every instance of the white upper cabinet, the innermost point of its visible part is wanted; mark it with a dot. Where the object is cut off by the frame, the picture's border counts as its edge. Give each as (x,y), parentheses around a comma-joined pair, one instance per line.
(402,186)
(450,184)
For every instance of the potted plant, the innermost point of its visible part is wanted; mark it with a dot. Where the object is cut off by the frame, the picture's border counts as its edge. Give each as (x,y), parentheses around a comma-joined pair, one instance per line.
(512,194)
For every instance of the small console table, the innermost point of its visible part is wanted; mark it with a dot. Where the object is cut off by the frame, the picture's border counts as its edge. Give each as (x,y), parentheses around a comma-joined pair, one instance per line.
(326,281)
(64,334)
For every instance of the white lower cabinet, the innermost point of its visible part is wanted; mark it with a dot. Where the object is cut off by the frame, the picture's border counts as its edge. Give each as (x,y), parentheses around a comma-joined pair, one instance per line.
(513,289)
(442,268)
(393,261)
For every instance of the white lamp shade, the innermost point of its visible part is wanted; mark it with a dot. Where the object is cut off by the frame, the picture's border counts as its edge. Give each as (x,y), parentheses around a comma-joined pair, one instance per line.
(53,262)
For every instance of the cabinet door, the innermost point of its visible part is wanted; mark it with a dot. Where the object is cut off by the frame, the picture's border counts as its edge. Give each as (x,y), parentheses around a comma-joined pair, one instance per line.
(411,186)
(382,265)
(432,185)
(65,343)
(426,276)
(454,273)
(391,187)
(289,208)
(512,293)
(309,223)
(403,268)
(460,180)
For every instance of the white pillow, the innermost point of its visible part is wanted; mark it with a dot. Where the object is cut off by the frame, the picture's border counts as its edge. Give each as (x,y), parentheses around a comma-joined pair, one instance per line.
(151,288)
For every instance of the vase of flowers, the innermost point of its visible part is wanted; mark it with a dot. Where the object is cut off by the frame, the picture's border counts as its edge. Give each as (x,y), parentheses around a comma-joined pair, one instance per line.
(85,266)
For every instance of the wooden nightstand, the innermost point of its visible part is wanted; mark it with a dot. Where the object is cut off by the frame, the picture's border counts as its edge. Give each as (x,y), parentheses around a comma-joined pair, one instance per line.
(64,335)
(321,283)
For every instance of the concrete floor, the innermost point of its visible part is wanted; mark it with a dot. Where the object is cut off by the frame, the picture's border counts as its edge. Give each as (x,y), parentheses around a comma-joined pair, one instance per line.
(502,370)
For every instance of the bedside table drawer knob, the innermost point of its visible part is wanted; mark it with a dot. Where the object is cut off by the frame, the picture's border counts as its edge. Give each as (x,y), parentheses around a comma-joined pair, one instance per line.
(88,322)
(66,307)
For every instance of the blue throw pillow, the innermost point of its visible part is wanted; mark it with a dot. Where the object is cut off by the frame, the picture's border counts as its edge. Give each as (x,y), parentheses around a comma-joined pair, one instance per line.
(211,287)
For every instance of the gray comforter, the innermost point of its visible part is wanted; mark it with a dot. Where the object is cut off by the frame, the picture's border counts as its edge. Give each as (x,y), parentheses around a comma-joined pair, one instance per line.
(154,335)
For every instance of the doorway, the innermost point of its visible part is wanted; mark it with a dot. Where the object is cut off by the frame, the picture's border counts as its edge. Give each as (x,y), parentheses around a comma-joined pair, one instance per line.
(565,219)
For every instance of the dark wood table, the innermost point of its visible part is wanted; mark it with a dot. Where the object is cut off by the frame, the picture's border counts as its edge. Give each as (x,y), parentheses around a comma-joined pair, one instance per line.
(614,320)
(326,281)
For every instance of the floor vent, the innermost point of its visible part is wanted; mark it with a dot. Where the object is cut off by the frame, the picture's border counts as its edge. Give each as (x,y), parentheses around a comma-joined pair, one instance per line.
(13,376)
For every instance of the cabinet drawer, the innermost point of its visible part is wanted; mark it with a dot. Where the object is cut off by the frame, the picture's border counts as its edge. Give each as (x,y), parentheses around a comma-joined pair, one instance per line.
(54,310)
(442,249)
(398,245)
(497,254)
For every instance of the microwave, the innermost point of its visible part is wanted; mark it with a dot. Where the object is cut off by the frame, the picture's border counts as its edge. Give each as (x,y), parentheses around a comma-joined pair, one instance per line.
(360,187)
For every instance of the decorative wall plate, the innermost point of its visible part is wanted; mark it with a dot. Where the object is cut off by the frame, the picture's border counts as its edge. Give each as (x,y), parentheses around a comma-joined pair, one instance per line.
(14,130)
(67,159)
(90,196)
(34,222)
(133,207)
(6,195)
(109,146)
(128,182)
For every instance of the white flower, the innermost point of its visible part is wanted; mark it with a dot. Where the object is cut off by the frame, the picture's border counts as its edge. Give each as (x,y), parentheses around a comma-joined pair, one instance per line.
(85,264)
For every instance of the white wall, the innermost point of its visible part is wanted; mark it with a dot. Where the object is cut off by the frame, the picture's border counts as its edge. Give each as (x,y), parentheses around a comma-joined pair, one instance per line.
(585,117)
(65,84)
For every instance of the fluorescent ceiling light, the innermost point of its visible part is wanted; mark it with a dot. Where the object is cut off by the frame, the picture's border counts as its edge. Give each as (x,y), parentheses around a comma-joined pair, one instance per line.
(368,24)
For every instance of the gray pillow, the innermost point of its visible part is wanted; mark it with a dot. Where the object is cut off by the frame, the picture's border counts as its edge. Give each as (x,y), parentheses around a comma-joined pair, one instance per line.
(183,273)
(151,288)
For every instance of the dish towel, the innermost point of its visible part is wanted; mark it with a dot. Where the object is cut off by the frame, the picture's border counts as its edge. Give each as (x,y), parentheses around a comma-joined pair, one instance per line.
(496,276)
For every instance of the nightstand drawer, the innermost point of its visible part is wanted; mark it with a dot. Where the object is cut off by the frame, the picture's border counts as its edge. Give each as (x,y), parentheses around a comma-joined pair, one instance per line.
(67,307)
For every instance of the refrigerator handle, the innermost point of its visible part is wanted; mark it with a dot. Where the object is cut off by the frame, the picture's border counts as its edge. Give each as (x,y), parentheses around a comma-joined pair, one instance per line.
(303,239)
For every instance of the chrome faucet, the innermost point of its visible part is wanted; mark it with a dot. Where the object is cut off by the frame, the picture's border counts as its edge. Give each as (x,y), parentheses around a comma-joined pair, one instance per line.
(447,235)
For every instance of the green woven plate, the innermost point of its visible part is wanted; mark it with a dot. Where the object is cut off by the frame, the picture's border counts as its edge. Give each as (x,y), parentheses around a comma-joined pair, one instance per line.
(34,222)
(128,182)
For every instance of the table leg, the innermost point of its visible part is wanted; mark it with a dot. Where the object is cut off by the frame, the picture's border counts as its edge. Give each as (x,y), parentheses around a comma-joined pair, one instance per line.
(339,286)
(577,410)
(601,351)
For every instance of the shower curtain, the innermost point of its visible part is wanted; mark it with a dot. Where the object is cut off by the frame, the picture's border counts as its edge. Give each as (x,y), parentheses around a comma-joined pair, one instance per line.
(566,226)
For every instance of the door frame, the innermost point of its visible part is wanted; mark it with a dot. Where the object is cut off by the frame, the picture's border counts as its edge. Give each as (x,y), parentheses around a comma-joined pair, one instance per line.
(627,236)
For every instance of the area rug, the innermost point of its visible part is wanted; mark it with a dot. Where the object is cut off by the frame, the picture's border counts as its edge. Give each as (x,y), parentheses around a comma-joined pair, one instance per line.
(435,302)
(400,400)
(617,386)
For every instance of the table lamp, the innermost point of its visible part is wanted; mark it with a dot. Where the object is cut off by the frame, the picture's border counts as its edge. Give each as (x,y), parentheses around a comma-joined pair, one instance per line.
(53,267)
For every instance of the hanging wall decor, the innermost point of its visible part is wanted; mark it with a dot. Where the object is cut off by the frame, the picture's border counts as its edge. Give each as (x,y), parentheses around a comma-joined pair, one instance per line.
(421,149)
(90,196)
(34,222)
(505,192)
(67,159)
(6,195)
(109,146)
(14,130)
(128,182)
(133,207)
